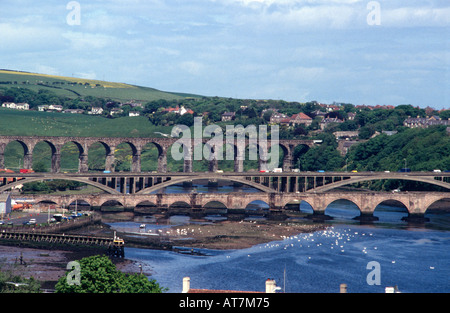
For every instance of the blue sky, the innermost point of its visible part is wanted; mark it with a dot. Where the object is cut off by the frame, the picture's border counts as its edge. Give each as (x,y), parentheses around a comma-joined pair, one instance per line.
(355,51)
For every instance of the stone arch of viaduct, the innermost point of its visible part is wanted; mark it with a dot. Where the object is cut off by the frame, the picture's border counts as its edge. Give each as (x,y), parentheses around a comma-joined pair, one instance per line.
(137,144)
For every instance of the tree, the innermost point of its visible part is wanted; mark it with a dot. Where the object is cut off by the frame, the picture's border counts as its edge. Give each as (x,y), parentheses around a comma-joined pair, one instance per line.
(99,275)
(12,283)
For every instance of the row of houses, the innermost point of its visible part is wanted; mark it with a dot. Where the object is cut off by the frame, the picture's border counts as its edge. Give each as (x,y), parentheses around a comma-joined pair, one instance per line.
(92,111)
(290,121)
(17,106)
(424,122)
(60,108)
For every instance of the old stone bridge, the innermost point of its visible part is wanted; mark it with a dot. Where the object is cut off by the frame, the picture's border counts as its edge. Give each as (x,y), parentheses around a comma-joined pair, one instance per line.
(416,203)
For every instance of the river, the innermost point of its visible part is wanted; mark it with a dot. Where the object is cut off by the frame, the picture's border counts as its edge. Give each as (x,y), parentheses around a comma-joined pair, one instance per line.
(414,258)
(389,252)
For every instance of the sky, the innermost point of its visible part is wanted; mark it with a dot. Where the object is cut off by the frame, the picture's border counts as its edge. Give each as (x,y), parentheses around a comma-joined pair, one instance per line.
(386,52)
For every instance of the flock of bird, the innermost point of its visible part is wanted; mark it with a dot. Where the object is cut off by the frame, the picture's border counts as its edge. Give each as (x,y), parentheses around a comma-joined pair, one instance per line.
(339,239)
(335,239)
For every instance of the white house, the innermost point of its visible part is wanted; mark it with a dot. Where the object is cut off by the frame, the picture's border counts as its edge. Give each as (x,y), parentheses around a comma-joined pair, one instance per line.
(55,107)
(17,106)
(96,110)
(116,111)
(133,113)
(5,203)
(22,106)
(9,105)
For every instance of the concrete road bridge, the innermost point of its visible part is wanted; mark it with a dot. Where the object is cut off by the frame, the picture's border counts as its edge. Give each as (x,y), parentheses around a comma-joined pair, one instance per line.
(285,182)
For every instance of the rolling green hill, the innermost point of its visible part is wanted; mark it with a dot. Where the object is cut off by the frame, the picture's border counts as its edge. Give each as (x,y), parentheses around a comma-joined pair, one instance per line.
(34,123)
(75,87)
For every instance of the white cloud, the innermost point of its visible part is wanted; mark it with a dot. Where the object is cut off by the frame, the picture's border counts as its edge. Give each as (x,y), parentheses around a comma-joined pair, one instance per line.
(82,41)
(416,16)
(192,67)
(86,75)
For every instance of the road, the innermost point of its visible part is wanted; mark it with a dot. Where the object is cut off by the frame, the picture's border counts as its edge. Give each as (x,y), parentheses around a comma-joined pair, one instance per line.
(18,218)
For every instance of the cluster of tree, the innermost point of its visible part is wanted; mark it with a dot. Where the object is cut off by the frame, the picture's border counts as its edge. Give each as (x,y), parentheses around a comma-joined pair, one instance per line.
(415,148)
(51,186)
(322,157)
(98,274)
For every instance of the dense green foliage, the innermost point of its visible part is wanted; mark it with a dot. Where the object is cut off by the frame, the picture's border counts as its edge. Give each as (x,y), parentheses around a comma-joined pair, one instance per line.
(323,157)
(99,275)
(420,149)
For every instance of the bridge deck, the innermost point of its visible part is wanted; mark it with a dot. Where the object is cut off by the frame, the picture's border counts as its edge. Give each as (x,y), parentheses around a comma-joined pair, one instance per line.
(147,182)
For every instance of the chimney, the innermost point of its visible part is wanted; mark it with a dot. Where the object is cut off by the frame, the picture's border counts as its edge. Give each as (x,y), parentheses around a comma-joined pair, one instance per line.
(186,284)
(270,285)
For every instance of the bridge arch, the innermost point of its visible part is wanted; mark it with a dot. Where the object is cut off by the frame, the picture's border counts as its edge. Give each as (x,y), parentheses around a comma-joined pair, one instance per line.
(178,204)
(257,204)
(215,205)
(24,154)
(397,202)
(284,155)
(111,203)
(79,201)
(46,201)
(146,203)
(79,179)
(181,155)
(66,155)
(299,204)
(54,160)
(333,208)
(126,157)
(298,151)
(401,209)
(100,160)
(358,179)
(153,157)
(438,203)
(174,181)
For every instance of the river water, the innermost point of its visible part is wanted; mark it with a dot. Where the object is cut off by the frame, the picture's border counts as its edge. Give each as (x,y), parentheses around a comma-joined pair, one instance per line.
(368,258)
(414,258)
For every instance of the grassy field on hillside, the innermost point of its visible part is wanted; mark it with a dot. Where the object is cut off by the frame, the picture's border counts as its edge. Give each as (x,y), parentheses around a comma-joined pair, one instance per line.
(34,123)
(75,87)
